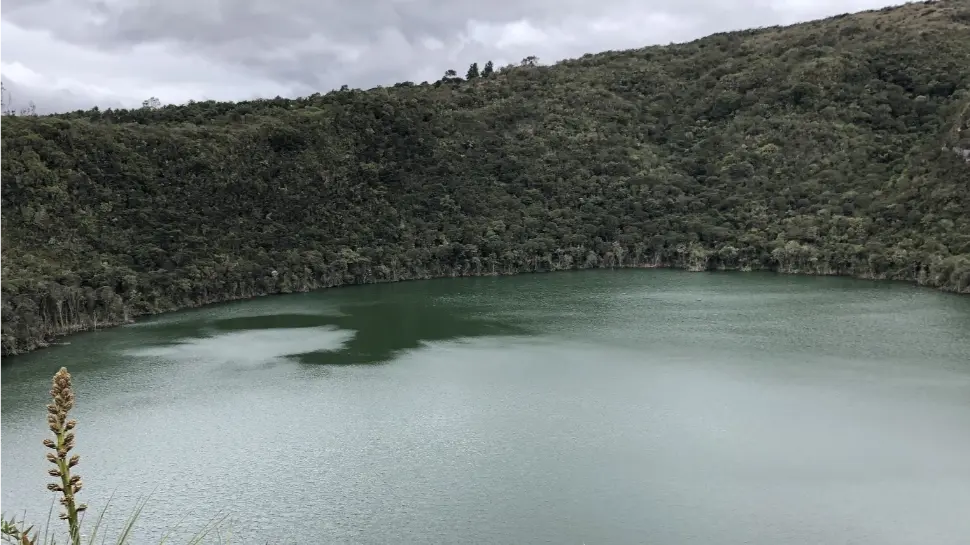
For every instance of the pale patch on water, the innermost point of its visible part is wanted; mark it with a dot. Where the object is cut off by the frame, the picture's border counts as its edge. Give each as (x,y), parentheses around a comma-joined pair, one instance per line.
(251,347)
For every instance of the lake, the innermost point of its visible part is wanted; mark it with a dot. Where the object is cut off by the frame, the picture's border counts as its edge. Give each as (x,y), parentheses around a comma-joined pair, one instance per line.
(598,407)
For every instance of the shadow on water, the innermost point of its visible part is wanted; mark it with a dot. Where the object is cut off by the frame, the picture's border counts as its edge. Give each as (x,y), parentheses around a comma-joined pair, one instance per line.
(381,330)
(383,323)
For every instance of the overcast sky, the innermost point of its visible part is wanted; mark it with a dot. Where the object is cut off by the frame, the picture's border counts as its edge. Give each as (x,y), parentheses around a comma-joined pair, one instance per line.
(70,54)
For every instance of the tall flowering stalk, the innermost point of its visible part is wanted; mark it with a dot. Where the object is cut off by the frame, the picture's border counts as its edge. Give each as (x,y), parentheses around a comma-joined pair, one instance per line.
(69,485)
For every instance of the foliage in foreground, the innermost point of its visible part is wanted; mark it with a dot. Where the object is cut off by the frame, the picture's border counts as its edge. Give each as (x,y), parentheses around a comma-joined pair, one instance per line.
(838,146)
(68,484)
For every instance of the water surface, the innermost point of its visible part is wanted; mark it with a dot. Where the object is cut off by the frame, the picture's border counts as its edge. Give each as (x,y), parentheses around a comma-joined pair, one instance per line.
(605,407)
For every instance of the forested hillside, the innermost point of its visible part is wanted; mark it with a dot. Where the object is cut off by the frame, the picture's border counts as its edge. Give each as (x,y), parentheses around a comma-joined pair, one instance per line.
(831,147)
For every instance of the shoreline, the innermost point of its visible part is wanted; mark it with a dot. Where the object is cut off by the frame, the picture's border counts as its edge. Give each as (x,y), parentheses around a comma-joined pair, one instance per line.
(57,338)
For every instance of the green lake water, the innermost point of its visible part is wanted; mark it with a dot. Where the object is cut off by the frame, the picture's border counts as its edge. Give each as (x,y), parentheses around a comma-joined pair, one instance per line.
(601,407)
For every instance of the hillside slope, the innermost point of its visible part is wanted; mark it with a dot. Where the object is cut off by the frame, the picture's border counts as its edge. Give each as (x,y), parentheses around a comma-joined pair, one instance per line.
(831,147)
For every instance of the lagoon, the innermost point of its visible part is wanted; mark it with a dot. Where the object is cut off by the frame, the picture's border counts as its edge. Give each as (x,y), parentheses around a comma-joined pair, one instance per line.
(597,407)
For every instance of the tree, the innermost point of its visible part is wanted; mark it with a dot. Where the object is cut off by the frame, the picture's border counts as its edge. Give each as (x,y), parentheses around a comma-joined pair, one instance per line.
(531,60)
(152,103)
(488,70)
(472,71)
(451,76)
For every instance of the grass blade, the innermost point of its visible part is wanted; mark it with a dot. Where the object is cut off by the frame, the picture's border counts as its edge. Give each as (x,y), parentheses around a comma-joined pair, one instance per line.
(97,523)
(130,523)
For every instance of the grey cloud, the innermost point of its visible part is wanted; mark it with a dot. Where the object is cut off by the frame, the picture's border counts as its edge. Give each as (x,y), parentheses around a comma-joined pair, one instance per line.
(18,97)
(316,45)
(261,23)
(229,21)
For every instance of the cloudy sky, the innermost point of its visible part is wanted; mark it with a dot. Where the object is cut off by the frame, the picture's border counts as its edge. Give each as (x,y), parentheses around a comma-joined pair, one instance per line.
(70,54)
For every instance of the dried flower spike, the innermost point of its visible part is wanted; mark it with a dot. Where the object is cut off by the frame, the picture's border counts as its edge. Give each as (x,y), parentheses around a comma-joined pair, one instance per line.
(62,395)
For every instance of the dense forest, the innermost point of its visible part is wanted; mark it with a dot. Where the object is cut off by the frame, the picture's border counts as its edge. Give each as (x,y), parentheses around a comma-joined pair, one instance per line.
(839,146)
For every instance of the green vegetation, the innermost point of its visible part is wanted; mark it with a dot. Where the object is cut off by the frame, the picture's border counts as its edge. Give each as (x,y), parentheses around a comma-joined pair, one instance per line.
(831,147)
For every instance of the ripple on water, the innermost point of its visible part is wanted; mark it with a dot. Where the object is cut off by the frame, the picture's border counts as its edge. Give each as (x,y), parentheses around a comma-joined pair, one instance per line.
(602,406)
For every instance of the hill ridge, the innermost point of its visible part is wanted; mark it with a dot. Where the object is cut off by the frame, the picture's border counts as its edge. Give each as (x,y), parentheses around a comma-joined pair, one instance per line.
(817,148)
